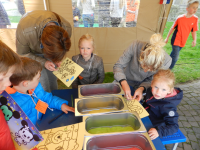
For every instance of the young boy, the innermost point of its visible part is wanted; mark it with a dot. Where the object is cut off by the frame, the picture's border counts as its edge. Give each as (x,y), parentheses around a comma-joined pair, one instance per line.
(183,25)
(28,92)
(9,62)
(161,102)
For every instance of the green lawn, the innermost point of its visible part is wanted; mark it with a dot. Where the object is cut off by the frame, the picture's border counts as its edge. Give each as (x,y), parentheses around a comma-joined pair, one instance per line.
(187,67)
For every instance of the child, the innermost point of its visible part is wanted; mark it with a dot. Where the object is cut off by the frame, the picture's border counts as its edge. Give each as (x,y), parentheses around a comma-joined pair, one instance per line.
(9,61)
(27,91)
(183,25)
(76,14)
(93,72)
(161,102)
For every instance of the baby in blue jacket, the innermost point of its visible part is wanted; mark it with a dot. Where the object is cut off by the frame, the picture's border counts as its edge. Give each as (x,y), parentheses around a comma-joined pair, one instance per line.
(161,102)
(28,92)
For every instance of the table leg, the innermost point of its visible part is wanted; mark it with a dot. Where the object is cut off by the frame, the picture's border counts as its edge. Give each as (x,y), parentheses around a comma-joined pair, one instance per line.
(174,146)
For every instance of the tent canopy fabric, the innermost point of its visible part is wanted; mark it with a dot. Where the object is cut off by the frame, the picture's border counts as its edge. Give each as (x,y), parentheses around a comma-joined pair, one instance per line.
(109,42)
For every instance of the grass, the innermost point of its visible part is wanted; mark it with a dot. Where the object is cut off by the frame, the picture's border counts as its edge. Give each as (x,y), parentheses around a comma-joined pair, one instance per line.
(187,67)
(14,19)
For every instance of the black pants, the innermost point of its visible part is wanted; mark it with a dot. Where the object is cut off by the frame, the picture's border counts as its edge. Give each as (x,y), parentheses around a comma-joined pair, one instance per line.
(115,21)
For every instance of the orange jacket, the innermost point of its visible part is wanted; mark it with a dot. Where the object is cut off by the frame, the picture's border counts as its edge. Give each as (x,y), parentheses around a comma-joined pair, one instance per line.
(133,7)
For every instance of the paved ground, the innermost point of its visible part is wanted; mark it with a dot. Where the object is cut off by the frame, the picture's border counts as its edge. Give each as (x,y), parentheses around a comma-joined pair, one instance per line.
(189,116)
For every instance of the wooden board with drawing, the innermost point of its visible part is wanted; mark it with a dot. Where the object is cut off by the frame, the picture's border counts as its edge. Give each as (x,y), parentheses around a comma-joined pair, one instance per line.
(68,71)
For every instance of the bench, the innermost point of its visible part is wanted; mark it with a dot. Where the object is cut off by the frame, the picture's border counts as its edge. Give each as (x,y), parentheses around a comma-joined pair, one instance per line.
(176,138)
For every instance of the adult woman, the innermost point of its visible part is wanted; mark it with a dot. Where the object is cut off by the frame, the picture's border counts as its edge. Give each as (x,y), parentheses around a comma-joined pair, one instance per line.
(44,36)
(139,62)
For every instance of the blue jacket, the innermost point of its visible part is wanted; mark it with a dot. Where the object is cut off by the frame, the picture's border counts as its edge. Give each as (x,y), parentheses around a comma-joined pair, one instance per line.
(162,112)
(28,106)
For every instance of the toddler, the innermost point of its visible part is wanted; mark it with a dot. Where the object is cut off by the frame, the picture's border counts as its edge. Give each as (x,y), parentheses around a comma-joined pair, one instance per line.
(93,72)
(28,92)
(161,102)
(182,27)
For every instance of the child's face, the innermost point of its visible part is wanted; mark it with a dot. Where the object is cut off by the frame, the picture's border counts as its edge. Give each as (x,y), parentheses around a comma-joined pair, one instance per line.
(160,88)
(5,79)
(34,83)
(86,49)
(192,9)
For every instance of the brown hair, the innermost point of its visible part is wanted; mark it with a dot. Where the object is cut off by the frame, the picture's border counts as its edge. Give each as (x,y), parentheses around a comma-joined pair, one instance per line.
(8,58)
(30,69)
(152,55)
(166,75)
(86,37)
(192,2)
(56,43)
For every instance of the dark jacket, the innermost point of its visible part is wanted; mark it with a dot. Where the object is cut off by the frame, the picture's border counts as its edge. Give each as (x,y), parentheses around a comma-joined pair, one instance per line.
(76,12)
(162,112)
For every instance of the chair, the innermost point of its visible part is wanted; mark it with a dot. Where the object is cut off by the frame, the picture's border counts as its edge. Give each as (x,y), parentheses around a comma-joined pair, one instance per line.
(175,138)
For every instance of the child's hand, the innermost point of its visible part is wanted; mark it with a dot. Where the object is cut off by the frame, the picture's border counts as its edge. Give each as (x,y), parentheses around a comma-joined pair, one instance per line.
(65,108)
(153,133)
(166,40)
(193,43)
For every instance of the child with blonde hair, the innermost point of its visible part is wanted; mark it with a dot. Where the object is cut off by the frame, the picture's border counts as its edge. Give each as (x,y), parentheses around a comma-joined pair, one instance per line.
(139,62)
(28,92)
(161,102)
(93,72)
(182,27)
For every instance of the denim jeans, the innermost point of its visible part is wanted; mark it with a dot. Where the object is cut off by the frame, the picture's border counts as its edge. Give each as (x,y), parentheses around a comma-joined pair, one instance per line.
(88,19)
(174,55)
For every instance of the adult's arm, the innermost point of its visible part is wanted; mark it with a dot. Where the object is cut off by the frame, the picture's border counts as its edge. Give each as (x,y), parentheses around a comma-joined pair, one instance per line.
(23,48)
(119,67)
(123,61)
(6,142)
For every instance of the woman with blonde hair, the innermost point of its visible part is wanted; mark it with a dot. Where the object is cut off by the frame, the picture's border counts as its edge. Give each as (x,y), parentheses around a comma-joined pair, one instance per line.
(139,62)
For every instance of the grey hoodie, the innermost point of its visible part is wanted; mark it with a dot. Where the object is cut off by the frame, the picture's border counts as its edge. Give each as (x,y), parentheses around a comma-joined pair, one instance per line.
(128,66)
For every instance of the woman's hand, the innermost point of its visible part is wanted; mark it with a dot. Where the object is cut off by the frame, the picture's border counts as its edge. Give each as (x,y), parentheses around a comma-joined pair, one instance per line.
(138,93)
(50,66)
(126,89)
(153,133)
(65,108)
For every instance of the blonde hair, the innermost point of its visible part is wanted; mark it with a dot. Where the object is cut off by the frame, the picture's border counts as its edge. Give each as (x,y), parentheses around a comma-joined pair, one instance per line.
(86,37)
(152,55)
(192,2)
(166,75)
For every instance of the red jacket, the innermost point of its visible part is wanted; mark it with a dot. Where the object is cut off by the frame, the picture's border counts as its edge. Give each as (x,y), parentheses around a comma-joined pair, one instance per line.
(6,142)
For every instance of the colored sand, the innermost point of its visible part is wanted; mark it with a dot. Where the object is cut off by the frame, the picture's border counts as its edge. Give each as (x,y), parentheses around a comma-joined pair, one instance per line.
(101,110)
(110,129)
(133,148)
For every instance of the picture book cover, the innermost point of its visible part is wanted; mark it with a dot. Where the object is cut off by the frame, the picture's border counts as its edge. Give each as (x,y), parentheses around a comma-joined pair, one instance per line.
(68,71)
(23,132)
